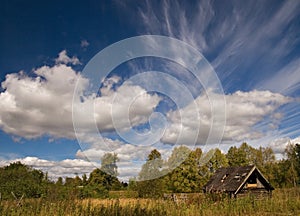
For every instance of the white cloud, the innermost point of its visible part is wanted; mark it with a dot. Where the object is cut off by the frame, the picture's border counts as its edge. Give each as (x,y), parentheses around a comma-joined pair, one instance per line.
(278,145)
(131,157)
(44,105)
(166,21)
(286,80)
(73,167)
(108,84)
(55,169)
(239,39)
(65,59)
(244,110)
(33,107)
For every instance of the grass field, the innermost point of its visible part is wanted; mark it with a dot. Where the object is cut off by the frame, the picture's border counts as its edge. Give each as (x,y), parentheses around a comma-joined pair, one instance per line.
(283,202)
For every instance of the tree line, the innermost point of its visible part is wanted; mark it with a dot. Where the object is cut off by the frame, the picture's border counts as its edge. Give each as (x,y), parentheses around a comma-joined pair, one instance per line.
(19,180)
(195,170)
(185,171)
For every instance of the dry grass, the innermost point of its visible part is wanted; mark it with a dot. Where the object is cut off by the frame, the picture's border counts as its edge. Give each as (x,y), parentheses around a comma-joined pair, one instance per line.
(283,202)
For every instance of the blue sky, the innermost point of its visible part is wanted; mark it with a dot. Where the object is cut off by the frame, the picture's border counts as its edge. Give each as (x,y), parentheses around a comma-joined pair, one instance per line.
(253,47)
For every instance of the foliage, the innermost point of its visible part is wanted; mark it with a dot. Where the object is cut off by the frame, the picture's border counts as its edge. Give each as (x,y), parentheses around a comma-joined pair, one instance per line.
(185,170)
(238,156)
(293,163)
(184,175)
(20,180)
(109,164)
(150,183)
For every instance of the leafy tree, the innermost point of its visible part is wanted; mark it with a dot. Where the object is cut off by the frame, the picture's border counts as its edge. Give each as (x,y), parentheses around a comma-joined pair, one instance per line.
(152,168)
(77,181)
(184,175)
(297,158)
(109,182)
(217,161)
(235,158)
(178,156)
(84,179)
(151,183)
(59,181)
(21,179)
(132,185)
(109,164)
(242,156)
(249,153)
(69,182)
(264,159)
(293,160)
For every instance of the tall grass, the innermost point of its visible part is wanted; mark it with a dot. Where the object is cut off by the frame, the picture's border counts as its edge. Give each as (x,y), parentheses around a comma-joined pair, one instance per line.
(283,202)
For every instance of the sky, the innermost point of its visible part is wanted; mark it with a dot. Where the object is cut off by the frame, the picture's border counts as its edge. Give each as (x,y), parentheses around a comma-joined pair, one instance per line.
(79,79)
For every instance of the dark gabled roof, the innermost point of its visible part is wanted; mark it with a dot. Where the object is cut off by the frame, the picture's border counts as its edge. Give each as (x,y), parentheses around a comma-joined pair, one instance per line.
(231,179)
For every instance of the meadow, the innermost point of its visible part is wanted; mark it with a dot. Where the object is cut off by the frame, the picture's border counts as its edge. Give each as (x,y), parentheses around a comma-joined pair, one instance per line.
(283,202)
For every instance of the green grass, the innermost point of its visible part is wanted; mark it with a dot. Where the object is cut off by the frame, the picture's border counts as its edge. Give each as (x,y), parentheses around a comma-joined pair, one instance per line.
(283,202)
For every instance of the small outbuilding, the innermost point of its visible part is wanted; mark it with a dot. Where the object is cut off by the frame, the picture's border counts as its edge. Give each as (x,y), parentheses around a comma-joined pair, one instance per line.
(239,181)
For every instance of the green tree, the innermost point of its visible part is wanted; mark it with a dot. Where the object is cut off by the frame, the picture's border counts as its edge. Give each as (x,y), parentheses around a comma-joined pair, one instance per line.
(178,156)
(103,180)
(151,183)
(152,168)
(22,180)
(77,181)
(264,159)
(84,180)
(217,161)
(236,157)
(242,156)
(292,153)
(184,175)
(59,181)
(109,163)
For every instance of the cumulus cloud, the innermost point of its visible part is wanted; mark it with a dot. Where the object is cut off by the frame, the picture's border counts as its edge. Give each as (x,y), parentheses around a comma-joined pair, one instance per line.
(32,107)
(55,169)
(131,157)
(278,145)
(42,105)
(243,111)
(65,59)
(73,167)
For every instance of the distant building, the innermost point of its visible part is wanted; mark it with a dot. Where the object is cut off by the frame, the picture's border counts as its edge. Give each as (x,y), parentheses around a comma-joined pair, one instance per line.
(239,181)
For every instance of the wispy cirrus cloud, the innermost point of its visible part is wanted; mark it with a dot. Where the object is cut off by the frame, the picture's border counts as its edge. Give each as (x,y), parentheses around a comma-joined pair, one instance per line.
(250,44)
(285,81)
(238,38)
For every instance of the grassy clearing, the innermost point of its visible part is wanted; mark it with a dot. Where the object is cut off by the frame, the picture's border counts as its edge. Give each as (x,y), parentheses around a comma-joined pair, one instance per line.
(283,202)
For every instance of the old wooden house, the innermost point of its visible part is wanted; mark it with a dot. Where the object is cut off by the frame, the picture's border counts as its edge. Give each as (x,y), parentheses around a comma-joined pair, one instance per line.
(239,181)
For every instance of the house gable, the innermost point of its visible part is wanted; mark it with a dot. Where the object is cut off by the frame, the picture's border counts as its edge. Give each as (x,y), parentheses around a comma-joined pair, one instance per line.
(255,181)
(234,180)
